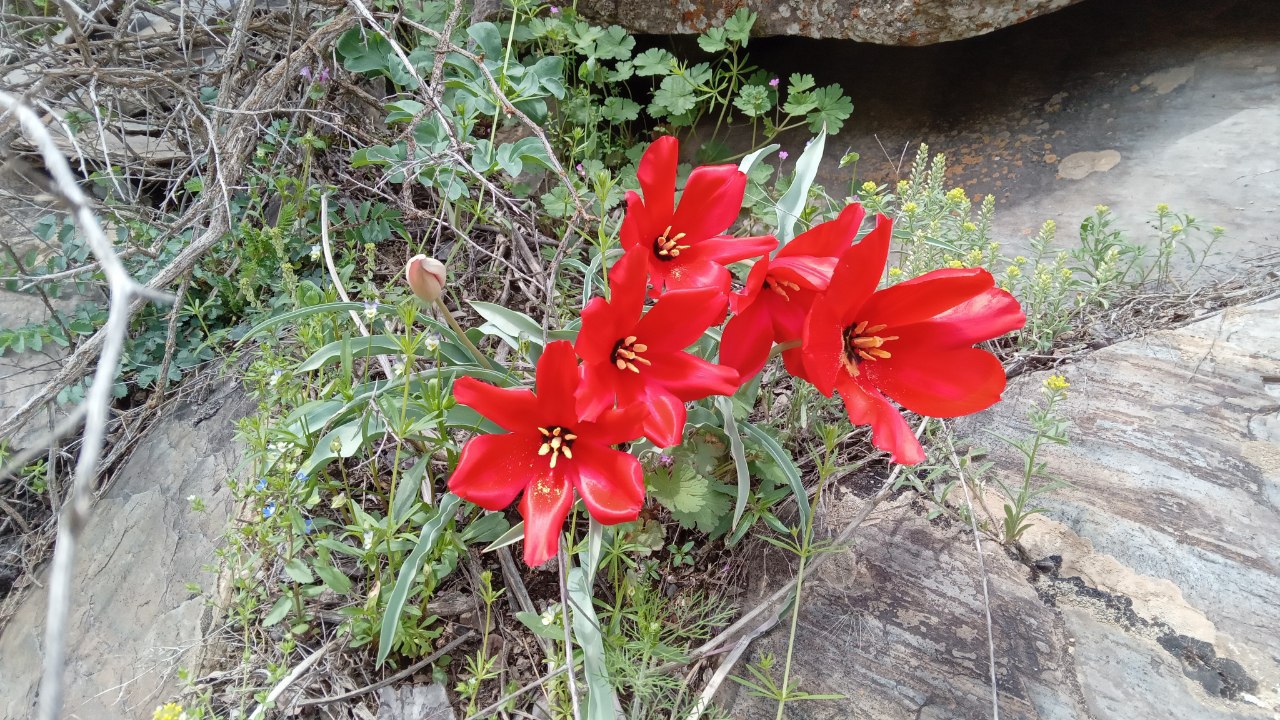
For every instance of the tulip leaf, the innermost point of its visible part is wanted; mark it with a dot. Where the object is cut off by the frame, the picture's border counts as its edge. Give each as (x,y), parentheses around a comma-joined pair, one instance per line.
(793,202)
(586,629)
(407,579)
(739,453)
(360,347)
(510,537)
(509,325)
(297,315)
(788,466)
(754,158)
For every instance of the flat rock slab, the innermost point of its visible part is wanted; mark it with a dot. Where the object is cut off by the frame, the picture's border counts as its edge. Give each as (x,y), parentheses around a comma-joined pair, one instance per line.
(1160,590)
(137,617)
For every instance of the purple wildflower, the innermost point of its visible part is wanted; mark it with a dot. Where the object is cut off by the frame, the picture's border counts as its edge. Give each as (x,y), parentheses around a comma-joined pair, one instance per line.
(783,154)
(773,83)
(305,72)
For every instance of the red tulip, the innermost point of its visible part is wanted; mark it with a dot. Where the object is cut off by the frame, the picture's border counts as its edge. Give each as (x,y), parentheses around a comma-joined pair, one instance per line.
(685,244)
(637,359)
(778,294)
(912,342)
(548,451)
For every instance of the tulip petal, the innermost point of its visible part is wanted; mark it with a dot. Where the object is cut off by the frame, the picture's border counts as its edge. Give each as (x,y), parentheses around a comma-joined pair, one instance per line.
(690,275)
(596,392)
(751,287)
(493,469)
(711,201)
(942,384)
(725,249)
(637,224)
(512,409)
(823,347)
(657,176)
(889,430)
(610,482)
(828,239)
(616,426)
(557,384)
(692,378)
(679,318)
(664,423)
(544,507)
(923,297)
(746,341)
(985,317)
(858,273)
(809,272)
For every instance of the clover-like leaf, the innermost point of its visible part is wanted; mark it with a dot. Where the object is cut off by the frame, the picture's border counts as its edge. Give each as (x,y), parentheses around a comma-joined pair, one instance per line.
(753,100)
(620,110)
(832,108)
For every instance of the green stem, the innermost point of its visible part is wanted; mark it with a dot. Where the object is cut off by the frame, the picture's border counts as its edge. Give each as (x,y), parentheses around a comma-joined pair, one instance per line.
(462,335)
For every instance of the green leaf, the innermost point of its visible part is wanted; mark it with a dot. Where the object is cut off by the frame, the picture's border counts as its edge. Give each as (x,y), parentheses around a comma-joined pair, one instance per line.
(586,629)
(799,83)
(296,315)
(488,38)
(510,537)
(619,110)
(364,53)
(403,110)
(558,203)
(832,108)
(408,575)
(750,162)
(693,499)
(713,40)
(485,529)
(298,570)
(613,44)
(278,611)
(753,100)
(673,97)
(797,196)
(654,61)
(739,453)
(784,462)
(334,578)
(510,325)
(738,27)
(358,347)
(533,621)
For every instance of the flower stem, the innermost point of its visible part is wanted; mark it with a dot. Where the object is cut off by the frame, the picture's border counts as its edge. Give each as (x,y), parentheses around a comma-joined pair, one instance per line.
(462,335)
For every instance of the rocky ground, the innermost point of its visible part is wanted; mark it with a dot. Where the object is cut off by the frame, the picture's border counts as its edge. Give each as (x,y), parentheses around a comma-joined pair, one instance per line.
(1153,582)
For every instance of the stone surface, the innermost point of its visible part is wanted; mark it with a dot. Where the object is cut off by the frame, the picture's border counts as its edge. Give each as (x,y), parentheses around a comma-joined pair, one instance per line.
(23,374)
(414,702)
(886,22)
(134,621)
(1193,118)
(1154,584)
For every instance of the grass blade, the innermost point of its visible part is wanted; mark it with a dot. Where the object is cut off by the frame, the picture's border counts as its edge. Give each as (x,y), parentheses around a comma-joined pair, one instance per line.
(408,575)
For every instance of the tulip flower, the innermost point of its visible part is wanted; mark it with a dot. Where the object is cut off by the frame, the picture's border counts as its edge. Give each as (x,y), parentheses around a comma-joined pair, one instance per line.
(548,451)
(912,343)
(638,359)
(427,276)
(684,243)
(779,292)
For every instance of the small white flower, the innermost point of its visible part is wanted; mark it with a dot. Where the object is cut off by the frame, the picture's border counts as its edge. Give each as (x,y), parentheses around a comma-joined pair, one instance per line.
(370,309)
(315,253)
(432,343)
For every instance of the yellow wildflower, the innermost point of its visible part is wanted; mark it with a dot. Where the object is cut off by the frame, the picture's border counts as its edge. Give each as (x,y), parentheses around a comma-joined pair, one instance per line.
(1175,229)
(895,272)
(1101,209)
(869,188)
(909,207)
(1162,208)
(955,195)
(169,711)
(1056,383)
(1013,271)
(969,227)
(1020,260)
(955,264)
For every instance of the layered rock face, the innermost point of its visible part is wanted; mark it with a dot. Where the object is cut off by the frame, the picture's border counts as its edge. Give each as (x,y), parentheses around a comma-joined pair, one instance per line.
(884,22)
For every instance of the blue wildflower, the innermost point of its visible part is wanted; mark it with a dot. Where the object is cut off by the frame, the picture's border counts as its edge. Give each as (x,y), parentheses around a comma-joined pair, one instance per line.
(308,526)
(262,484)
(268,510)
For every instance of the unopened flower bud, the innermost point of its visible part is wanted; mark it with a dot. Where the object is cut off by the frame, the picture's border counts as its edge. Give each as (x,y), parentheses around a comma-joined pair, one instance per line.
(426,276)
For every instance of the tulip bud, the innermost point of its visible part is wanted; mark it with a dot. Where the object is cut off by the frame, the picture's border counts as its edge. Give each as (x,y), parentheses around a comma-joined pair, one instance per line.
(426,276)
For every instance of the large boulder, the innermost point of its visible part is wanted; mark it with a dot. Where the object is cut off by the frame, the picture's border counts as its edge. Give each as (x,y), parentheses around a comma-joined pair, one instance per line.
(885,22)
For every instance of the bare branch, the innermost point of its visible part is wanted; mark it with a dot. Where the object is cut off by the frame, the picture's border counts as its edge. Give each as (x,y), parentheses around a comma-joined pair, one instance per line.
(97,403)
